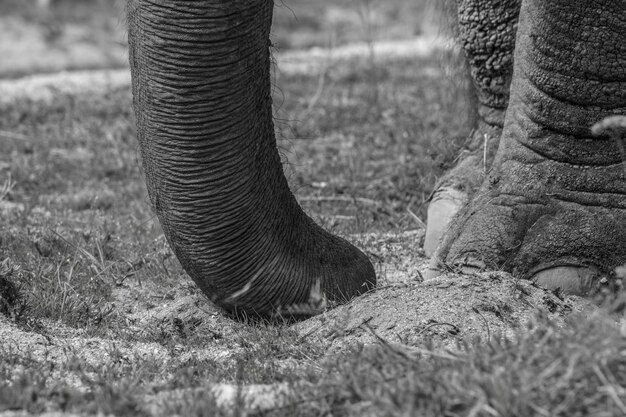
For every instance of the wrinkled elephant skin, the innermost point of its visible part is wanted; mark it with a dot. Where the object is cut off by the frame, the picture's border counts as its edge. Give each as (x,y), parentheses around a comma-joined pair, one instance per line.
(202,97)
(553,206)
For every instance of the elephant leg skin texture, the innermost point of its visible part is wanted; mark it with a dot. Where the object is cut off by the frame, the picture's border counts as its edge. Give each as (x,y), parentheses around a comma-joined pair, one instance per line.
(487,31)
(202,99)
(553,206)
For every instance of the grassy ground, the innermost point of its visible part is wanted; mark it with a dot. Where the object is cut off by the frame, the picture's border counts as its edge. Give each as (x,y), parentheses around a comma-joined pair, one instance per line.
(90,34)
(97,316)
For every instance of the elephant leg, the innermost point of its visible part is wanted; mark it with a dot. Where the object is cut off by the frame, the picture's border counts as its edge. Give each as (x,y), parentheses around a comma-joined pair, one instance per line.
(202,98)
(486,33)
(553,206)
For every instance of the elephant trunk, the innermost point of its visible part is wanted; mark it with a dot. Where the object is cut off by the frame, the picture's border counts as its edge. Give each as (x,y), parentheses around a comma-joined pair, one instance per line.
(202,98)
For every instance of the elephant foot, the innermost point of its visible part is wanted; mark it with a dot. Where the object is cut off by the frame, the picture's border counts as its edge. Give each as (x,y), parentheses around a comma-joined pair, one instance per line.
(560,224)
(457,187)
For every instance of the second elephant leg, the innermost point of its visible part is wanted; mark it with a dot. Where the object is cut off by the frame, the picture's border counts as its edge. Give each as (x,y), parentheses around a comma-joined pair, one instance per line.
(487,30)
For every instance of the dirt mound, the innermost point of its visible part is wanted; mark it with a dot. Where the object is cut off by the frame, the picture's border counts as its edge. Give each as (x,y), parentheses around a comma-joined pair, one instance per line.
(444,310)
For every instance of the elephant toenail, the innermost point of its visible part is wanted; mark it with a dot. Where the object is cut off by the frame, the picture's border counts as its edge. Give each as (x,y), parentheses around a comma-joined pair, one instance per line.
(570,279)
(445,204)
